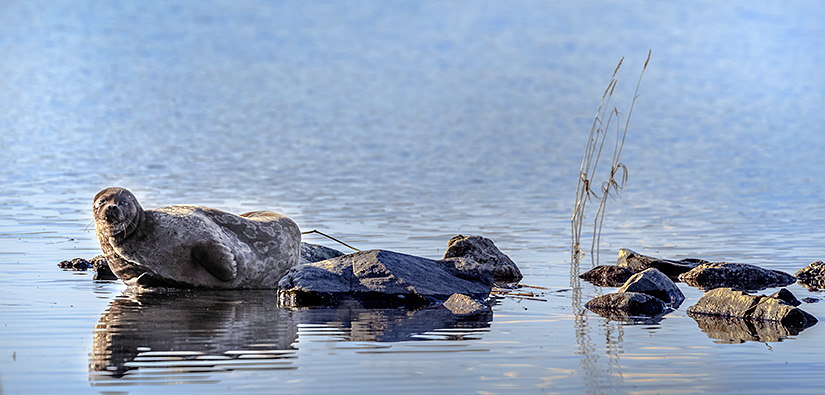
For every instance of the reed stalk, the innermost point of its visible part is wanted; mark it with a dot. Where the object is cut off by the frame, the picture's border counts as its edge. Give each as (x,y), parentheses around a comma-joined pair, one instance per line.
(617,179)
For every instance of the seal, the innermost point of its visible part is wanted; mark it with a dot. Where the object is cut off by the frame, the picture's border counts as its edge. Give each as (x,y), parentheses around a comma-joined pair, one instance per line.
(193,247)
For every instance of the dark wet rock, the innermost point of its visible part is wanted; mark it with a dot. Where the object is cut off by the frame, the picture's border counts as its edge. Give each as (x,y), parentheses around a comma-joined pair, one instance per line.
(384,278)
(811,300)
(485,252)
(727,302)
(460,304)
(78,264)
(735,275)
(313,253)
(786,296)
(637,262)
(626,304)
(607,276)
(656,284)
(812,276)
(738,330)
(102,269)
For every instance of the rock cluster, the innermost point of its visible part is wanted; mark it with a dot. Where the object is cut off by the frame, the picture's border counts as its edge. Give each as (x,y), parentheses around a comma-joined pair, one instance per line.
(98,263)
(651,292)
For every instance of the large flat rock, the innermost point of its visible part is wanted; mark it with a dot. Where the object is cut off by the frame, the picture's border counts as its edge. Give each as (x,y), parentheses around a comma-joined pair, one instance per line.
(380,277)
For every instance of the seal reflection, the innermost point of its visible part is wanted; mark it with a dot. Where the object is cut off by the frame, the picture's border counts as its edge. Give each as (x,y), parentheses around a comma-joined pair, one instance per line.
(185,336)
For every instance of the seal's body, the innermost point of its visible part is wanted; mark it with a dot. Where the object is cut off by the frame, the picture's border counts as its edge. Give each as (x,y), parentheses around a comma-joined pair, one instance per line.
(193,246)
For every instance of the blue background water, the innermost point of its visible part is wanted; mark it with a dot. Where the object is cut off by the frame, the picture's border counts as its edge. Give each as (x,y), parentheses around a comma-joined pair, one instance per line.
(396,125)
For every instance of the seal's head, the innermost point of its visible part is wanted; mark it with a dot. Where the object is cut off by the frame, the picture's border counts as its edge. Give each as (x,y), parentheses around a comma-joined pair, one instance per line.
(117,213)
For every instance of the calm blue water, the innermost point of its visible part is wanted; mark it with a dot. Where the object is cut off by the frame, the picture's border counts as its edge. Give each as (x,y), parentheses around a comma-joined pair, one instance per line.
(396,125)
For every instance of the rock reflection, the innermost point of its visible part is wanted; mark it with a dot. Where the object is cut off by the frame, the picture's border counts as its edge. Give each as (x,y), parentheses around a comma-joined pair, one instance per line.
(735,330)
(185,336)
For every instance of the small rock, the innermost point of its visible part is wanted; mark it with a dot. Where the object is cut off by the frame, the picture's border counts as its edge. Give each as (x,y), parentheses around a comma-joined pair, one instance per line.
(485,252)
(626,304)
(78,264)
(811,300)
(607,276)
(735,275)
(727,302)
(102,269)
(637,262)
(786,296)
(656,284)
(812,276)
(314,253)
(460,304)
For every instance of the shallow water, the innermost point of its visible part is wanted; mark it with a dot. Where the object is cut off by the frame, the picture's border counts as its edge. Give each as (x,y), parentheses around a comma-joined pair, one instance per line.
(397,126)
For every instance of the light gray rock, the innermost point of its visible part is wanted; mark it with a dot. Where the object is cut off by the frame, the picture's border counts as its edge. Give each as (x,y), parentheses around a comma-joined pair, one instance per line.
(484,251)
(735,275)
(313,253)
(637,262)
(655,283)
(383,278)
(727,302)
(460,304)
(812,276)
(607,276)
(624,304)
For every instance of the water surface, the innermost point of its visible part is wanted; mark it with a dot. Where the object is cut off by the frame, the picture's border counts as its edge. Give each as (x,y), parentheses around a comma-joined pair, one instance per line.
(396,126)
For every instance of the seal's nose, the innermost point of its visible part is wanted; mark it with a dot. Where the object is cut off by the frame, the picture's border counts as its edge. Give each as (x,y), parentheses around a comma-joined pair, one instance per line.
(113,213)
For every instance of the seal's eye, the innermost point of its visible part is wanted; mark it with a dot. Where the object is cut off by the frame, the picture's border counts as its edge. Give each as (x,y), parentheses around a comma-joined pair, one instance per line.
(100,203)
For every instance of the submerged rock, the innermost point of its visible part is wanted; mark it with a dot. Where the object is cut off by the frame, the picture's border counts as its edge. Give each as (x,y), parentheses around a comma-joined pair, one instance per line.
(812,276)
(607,276)
(735,275)
(313,253)
(727,302)
(623,304)
(637,262)
(656,284)
(485,252)
(383,278)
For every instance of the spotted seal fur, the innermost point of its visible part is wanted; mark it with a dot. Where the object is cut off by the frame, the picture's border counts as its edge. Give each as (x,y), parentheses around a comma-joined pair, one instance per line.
(192,246)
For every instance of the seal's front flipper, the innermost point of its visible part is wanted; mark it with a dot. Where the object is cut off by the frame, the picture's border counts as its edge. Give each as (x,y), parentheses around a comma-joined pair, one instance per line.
(216,259)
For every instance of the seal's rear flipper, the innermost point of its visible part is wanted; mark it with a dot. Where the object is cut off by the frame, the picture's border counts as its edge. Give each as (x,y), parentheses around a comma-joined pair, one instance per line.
(216,259)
